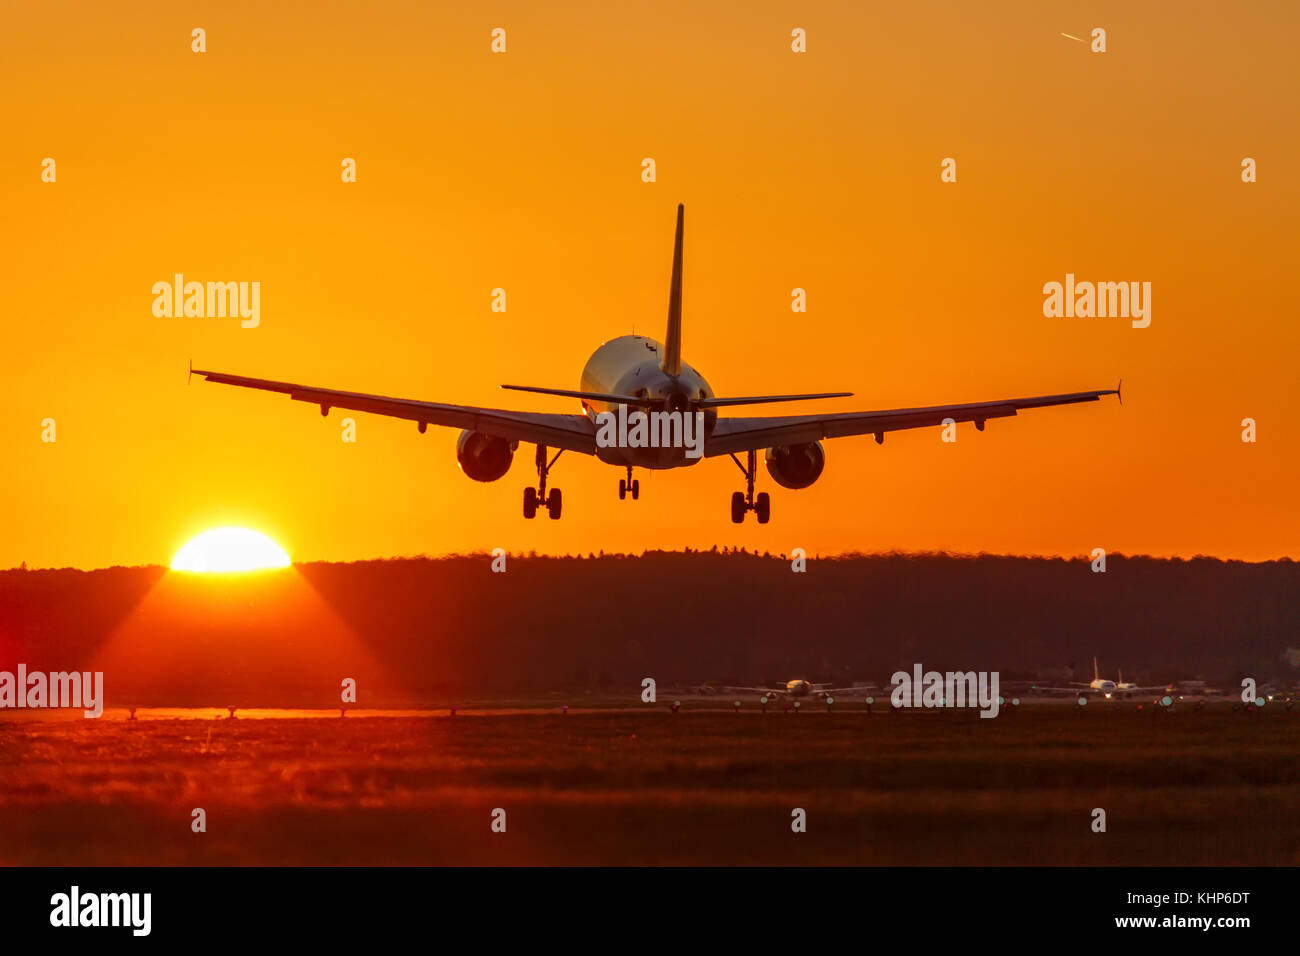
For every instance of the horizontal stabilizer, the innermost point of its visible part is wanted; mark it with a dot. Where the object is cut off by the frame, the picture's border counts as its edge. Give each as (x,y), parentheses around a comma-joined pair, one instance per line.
(767,399)
(590,396)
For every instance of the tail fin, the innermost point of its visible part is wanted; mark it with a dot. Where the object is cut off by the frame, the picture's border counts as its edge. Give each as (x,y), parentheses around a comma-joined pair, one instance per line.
(672,360)
(1095,675)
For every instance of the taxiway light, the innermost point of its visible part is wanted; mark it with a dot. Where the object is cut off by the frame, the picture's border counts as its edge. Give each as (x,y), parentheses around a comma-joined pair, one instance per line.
(1166,701)
(1015,701)
(1083,701)
(736,705)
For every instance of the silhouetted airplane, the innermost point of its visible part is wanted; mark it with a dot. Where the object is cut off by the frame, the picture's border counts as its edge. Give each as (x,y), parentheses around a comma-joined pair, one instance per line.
(638,372)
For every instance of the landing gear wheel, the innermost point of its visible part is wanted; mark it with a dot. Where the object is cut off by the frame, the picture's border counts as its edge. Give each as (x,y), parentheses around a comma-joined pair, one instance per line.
(535,498)
(738,507)
(763,507)
(629,485)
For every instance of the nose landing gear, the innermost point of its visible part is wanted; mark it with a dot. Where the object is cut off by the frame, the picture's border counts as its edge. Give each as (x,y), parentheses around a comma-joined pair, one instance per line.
(742,502)
(535,498)
(629,484)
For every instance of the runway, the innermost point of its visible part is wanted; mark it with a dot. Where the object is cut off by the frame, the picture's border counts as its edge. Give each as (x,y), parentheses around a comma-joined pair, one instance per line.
(654,787)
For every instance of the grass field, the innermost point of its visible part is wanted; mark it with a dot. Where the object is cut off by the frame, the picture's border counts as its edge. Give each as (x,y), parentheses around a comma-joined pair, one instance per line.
(650,787)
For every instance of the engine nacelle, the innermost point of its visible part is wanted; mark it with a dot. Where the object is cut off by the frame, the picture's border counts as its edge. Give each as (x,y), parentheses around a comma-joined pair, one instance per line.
(484,457)
(795,466)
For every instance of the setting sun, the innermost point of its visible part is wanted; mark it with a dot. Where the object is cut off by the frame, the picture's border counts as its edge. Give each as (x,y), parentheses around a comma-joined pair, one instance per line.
(230,549)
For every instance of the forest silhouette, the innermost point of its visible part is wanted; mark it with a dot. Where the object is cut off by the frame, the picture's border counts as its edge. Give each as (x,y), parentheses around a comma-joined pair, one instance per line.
(420,630)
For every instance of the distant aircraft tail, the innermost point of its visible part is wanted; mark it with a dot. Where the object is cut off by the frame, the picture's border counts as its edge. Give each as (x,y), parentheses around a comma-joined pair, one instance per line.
(672,360)
(1095,675)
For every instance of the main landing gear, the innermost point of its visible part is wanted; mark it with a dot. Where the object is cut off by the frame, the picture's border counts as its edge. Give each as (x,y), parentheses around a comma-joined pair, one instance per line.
(537,497)
(744,501)
(629,485)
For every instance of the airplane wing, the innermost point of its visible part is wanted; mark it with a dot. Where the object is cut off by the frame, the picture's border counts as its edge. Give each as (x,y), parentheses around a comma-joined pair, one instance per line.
(732,435)
(1039,689)
(864,691)
(1096,690)
(569,432)
(1143,690)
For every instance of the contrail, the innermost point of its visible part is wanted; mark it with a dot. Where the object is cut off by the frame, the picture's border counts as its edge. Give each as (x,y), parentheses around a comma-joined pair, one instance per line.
(1080,39)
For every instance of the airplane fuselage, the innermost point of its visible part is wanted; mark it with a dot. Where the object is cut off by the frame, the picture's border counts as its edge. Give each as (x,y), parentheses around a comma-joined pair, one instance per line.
(630,365)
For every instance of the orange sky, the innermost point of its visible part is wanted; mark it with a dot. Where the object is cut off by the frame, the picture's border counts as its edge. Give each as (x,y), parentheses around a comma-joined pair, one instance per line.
(523,171)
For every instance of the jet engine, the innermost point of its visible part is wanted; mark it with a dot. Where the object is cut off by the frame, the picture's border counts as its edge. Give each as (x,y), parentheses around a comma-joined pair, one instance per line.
(795,466)
(484,457)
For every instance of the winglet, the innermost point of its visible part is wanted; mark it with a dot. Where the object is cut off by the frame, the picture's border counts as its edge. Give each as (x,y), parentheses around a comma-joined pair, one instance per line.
(190,374)
(672,360)
(1119,390)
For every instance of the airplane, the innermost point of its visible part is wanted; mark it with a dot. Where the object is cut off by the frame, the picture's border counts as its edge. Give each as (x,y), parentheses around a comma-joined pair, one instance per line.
(1107,688)
(796,688)
(634,371)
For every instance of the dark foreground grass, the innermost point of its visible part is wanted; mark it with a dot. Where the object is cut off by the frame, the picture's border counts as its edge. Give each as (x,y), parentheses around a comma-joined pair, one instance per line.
(1211,787)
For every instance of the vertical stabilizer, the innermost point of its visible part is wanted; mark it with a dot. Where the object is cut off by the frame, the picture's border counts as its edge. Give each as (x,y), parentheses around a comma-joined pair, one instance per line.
(672,360)
(1095,675)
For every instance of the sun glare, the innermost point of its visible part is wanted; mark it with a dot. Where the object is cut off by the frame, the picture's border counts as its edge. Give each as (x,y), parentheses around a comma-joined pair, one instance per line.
(230,549)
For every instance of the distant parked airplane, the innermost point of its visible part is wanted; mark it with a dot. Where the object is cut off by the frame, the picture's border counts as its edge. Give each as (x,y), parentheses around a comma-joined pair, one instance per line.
(796,688)
(637,372)
(1107,688)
